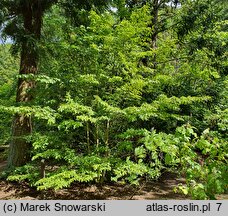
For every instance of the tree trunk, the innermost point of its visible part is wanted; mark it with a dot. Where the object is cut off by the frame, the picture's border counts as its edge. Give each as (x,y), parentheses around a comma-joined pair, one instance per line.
(154,13)
(152,41)
(19,153)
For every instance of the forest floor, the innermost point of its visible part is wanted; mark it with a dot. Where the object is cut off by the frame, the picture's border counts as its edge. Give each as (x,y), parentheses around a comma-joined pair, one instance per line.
(156,190)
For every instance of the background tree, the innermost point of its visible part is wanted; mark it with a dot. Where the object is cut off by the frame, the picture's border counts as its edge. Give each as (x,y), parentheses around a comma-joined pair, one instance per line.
(23,22)
(8,72)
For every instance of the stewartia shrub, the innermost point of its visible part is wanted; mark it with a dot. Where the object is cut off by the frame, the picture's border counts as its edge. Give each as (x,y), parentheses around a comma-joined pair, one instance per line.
(201,159)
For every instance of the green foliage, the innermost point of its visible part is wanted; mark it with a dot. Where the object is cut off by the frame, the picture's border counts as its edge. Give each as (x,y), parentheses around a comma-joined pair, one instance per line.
(29,172)
(45,113)
(8,70)
(110,106)
(206,171)
(130,171)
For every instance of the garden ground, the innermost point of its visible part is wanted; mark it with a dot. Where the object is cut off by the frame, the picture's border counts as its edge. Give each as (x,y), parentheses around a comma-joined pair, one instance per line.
(156,190)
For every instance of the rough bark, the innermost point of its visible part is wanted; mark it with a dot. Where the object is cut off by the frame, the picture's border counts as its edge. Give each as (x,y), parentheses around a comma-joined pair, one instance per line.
(22,125)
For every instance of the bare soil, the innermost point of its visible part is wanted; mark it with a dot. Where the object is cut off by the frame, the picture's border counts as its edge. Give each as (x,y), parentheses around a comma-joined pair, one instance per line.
(153,190)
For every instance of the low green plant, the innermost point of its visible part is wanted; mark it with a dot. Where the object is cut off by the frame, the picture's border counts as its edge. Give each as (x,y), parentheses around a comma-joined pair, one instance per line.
(206,170)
